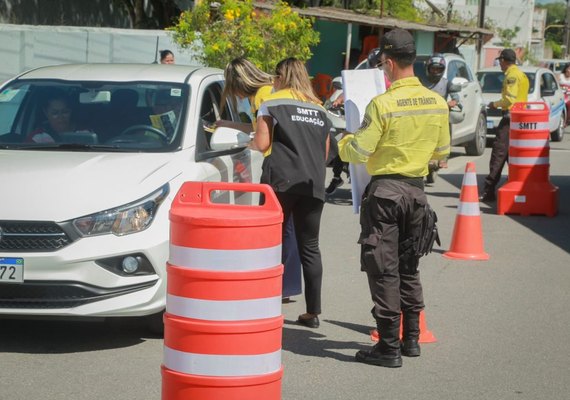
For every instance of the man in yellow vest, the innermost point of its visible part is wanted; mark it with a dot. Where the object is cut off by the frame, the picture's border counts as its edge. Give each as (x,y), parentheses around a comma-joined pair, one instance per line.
(515,89)
(401,131)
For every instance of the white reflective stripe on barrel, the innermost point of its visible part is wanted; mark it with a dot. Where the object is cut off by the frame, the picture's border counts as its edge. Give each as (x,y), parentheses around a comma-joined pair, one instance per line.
(469,209)
(470,179)
(221,365)
(529,142)
(529,160)
(223,310)
(225,260)
(530,126)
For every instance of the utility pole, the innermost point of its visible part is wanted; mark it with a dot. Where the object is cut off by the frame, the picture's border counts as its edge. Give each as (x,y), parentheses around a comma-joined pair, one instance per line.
(481,24)
(567,29)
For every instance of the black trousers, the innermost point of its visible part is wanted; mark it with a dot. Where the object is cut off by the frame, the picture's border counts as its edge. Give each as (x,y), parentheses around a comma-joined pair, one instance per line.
(306,213)
(391,212)
(337,166)
(499,155)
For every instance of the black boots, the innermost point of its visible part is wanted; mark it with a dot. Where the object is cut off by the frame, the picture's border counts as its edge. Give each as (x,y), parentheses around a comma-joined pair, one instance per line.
(375,356)
(411,326)
(386,353)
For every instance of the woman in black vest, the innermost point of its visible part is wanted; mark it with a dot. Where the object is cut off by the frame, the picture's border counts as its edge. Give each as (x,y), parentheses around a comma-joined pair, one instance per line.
(293,132)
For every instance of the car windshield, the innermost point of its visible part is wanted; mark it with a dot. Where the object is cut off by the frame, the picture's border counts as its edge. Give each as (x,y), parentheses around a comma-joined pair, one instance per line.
(492,81)
(84,116)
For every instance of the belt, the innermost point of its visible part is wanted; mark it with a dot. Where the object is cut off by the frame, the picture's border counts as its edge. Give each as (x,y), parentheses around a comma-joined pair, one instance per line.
(417,181)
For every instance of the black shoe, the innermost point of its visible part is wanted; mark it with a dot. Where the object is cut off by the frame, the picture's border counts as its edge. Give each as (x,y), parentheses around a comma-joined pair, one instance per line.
(411,348)
(333,186)
(312,322)
(374,357)
(487,197)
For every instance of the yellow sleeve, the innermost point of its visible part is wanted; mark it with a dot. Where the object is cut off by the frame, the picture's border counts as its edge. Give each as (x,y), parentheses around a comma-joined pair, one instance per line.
(510,92)
(443,147)
(259,98)
(357,148)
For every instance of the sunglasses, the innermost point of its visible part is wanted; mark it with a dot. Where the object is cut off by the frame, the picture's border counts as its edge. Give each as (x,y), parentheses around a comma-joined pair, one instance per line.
(380,64)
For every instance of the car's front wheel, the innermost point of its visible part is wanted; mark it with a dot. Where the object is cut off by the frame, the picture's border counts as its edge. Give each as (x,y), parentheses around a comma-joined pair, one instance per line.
(558,134)
(476,147)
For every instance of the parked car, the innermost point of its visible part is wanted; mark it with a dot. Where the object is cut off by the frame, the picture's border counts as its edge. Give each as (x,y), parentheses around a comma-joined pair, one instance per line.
(555,65)
(543,86)
(84,228)
(566,89)
(471,131)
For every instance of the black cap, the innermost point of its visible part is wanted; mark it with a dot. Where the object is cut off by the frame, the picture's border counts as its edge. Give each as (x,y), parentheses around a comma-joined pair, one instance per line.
(398,43)
(508,55)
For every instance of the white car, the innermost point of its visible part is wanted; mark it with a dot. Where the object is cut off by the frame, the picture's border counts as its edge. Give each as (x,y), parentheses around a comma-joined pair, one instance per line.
(471,132)
(470,129)
(543,86)
(84,227)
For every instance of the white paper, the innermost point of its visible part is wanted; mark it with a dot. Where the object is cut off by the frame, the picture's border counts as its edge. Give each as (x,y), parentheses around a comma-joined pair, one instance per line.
(359,87)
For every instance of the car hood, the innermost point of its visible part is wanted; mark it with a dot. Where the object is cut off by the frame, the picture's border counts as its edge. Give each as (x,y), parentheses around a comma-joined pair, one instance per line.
(58,186)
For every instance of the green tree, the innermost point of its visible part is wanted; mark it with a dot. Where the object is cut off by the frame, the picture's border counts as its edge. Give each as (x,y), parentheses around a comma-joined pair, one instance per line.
(555,15)
(507,35)
(232,28)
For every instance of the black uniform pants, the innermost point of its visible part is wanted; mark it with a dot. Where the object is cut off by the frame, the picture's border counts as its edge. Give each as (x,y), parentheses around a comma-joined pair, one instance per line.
(338,166)
(391,212)
(499,155)
(306,213)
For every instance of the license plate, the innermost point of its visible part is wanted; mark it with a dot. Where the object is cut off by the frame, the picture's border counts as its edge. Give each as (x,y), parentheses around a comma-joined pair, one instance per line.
(11,270)
(490,125)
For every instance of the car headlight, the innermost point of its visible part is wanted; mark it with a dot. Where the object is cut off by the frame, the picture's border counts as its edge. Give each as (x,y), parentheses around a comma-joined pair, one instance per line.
(124,220)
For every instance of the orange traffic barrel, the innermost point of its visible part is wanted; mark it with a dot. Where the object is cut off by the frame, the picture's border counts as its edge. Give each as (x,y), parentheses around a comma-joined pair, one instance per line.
(528,190)
(223,322)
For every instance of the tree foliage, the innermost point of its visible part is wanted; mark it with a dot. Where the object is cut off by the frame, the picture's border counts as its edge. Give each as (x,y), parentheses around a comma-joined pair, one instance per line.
(507,35)
(234,28)
(555,15)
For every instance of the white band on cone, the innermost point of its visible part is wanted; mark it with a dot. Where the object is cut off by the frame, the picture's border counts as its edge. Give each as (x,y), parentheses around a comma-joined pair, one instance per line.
(224,310)
(470,179)
(529,160)
(468,209)
(225,260)
(221,365)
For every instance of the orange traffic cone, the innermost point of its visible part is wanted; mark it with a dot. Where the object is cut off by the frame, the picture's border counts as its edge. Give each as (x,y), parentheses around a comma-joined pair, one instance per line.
(425,334)
(467,240)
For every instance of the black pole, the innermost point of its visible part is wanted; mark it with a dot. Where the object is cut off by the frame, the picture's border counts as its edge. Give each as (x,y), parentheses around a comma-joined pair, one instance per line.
(481,25)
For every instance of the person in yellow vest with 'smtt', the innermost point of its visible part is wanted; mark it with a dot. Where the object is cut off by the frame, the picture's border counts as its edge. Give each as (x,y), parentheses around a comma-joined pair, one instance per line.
(515,89)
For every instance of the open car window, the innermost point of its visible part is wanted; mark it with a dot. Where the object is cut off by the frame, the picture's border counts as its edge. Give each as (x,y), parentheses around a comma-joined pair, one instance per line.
(130,116)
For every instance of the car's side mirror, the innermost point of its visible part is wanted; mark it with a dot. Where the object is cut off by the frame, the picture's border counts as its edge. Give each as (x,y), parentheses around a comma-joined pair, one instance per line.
(454,88)
(224,138)
(460,82)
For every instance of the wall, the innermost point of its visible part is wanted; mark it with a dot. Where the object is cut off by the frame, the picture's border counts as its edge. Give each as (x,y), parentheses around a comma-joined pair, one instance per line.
(23,47)
(328,55)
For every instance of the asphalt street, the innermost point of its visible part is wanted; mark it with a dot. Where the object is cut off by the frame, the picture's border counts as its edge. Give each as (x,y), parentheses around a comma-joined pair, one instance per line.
(502,325)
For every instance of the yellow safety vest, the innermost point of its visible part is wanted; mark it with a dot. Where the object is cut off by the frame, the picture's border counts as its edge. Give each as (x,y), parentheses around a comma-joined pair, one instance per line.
(515,88)
(402,130)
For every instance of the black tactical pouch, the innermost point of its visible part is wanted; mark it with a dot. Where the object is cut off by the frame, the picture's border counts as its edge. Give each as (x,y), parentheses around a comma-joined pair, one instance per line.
(428,233)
